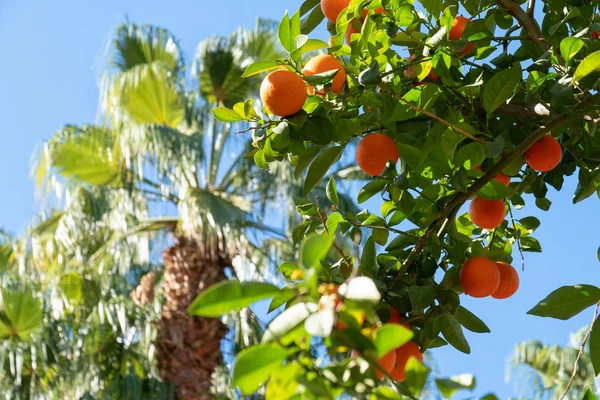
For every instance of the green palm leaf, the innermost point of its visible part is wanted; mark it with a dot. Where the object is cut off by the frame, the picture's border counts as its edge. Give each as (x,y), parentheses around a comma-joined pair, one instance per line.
(21,314)
(135,45)
(88,154)
(152,99)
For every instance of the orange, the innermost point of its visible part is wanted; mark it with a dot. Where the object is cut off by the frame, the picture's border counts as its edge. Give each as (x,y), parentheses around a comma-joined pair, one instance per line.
(283,93)
(487,214)
(595,35)
(374,151)
(544,155)
(433,76)
(396,318)
(509,281)
(333,8)
(403,354)
(386,362)
(458,27)
(468,48)
(503,179)
(324,63)
(349,32)
(479,277)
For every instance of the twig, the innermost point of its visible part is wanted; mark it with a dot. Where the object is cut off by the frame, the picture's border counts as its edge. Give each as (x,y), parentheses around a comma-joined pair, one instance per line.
(258,128)
(518,239)
(335,246)
(460,198)
(443,121)
(506,38)
(581,348)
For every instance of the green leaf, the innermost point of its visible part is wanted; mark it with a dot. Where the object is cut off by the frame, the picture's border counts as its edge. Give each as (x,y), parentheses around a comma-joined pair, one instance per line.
(470,321)
(415,375)
(224,114)
(287,321)
(289,28)
(320,166)
(494,190)
(368,258)
(567,302)
(72,287)
(371,189)
(470,155)
(587,66)
(495,148)
(570,46)
(391,336)
(286,294)
(530,244)
(500,88)
(531,223)
(309,45)
(305,159)
(543,203)
(589,395)
(314,248)
(283,384)
(331,192)
(257,68)
(254,365)
(421,297)
(310,22)
(227,296)
(595,347)
(453,333)
(21,314)
(448,387)
(370,76)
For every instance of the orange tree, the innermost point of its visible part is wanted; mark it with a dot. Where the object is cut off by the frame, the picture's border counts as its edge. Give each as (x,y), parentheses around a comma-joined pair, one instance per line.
(450,102)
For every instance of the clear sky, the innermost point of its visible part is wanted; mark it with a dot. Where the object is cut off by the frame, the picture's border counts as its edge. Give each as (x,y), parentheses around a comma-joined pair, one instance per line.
(49,76)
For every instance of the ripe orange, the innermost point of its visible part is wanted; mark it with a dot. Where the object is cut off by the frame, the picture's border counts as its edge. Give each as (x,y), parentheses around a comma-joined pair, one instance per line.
(386,362)
(396,318)
(324,63)
(544,155)
(333,8)
(458,27)
(374,151)
(487,214)
(595,35)
(509,281)
(479,277)
(503,179)
(403,354)
(283,93)
(468,48)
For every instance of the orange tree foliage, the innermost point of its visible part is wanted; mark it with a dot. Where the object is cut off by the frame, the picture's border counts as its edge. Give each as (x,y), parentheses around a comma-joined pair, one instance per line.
(467,91)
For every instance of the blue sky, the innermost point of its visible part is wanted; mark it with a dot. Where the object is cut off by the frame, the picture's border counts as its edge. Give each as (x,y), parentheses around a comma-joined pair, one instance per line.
(49,75)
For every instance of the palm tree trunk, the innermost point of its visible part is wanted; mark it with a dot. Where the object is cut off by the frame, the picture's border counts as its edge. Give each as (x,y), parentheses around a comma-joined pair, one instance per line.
(188,347)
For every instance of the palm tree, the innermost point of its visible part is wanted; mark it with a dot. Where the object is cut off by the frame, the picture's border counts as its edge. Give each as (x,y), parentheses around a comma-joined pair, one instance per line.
(160,162)
(550,367)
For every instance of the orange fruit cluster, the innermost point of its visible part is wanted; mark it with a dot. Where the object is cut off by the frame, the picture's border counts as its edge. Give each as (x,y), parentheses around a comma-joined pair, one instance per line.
(481,277)
(283,92)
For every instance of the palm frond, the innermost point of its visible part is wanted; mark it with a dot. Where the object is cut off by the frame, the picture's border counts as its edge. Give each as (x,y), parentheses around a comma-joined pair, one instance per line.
(21,314)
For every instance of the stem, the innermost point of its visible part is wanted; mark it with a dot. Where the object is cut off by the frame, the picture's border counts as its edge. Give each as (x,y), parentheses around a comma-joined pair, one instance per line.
(335,246)
(512,218)
(581,348)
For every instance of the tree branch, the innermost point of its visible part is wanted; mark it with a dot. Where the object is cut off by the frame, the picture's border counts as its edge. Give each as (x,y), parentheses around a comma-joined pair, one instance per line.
(581,348)
(527,22)
(460,198)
